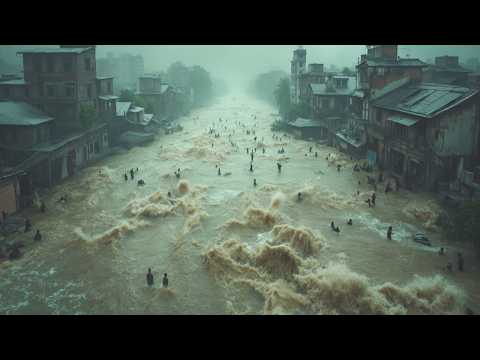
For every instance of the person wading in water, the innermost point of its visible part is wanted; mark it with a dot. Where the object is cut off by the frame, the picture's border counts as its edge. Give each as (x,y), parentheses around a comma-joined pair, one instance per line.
(150,278)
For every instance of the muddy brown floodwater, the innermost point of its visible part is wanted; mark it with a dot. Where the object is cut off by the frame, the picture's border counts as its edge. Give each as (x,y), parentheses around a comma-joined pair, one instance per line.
(229,247)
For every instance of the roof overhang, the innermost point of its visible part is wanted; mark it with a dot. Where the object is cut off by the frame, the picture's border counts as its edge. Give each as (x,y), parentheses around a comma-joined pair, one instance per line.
(402,120)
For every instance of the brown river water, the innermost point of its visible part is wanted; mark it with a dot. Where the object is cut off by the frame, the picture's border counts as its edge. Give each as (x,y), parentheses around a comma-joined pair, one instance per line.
(229,247)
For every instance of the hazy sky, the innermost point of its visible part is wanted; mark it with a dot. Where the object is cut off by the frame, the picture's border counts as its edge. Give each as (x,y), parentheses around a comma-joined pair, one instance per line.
(238,64)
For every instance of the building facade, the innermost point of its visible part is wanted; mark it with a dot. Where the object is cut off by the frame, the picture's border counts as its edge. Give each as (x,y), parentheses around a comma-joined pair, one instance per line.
(427,131)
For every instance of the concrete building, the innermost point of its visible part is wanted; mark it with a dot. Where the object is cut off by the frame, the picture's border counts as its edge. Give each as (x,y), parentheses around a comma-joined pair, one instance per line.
(44,132)
(330,102)
(167,101)
(427,130)
(61,81)
(298,67)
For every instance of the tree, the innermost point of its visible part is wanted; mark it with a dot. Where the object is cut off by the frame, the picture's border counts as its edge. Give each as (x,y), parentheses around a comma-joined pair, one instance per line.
(348,72)
(282,97)
(178,74)
(299,110)
(201,84)
(127,95)
(263,85)
(88,115)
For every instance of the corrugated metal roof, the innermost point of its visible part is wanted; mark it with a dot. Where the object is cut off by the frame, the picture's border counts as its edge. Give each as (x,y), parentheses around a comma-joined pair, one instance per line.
(122,107)
(394,63)
(402,121)
(425,99)
(55,51)
(21,114)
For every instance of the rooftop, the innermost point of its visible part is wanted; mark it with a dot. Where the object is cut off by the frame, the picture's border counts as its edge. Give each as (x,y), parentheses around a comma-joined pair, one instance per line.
(424,99)
(104,77)
(303,123)
(55,51)
(21,114)
(393,63)
(13,82)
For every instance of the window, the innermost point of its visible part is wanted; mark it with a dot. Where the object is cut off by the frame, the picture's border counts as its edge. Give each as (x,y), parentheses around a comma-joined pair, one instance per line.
(50,90)
(88,64)
(67,65)
(90,148)
(109,87)
(50,65)
(70,90)
(89,90)
(40,91)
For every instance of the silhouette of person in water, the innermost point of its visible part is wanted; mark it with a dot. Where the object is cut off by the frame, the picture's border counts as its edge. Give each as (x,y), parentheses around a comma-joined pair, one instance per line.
(165,281)
(150,280)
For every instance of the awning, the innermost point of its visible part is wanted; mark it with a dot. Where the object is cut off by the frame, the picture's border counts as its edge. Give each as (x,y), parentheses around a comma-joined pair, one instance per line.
(402,121)
(108,97)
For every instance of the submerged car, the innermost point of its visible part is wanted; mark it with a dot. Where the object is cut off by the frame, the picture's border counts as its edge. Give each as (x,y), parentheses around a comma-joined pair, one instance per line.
(421,239)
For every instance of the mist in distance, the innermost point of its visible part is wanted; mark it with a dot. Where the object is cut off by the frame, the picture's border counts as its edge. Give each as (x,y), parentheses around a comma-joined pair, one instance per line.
(238,64)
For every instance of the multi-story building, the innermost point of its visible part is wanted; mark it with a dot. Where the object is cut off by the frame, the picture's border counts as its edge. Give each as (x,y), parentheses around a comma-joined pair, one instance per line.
(329,103)
(428,130)
(298,67)
(380,71)
(167,101)
(53,120)
(314,75)
(61,82)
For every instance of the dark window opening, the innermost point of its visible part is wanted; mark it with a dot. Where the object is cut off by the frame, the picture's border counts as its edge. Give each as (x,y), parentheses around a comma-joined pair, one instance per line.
(51,90)
(69,90)
(109,87)
(67,65)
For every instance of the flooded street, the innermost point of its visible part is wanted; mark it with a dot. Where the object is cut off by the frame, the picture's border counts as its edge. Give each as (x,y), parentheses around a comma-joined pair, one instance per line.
(230,247)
